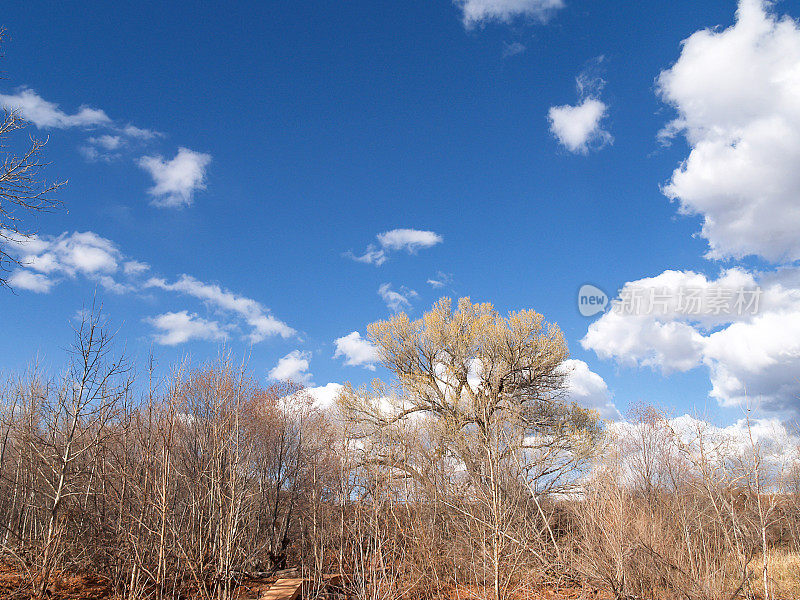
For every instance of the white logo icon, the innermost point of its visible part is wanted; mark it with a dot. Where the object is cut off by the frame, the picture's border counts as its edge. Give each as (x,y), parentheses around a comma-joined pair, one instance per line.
(591,300)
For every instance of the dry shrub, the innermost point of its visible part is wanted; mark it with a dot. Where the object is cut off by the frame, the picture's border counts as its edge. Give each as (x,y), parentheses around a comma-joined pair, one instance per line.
(210,477)
(670,514)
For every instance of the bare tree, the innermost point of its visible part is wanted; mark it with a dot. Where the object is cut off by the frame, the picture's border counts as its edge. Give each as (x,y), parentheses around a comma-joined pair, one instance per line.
(23,189)
(76,422)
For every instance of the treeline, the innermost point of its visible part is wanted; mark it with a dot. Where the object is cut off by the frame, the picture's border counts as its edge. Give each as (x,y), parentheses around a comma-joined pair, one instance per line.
(471,476)
(208,476)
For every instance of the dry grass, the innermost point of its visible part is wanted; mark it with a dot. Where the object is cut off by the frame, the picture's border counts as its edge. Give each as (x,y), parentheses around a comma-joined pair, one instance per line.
(783,567)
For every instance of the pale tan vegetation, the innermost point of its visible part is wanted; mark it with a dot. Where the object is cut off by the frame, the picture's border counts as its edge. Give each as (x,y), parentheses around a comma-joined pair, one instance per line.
(469,475)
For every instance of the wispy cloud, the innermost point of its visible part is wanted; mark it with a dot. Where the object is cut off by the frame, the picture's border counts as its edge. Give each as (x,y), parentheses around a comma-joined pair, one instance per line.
(513,49)
(48,115)
(440,280)
(410,240)
(107,146)
(107,141)
(139,133)
(479,12)
(262,323)
(395,300)
(134,267)
(180,327)
(45,261)
(113,146)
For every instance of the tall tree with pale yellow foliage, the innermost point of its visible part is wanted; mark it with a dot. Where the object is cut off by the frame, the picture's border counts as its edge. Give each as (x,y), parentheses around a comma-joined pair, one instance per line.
(484,395)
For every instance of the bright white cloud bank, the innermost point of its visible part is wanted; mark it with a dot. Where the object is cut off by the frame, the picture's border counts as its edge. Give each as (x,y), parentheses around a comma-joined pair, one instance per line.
(176,180)
(292,367)
(410,240)
(753,358)
(479,12)
(687,437)
(737,95)
(356,351)
(588,389)
(324,396)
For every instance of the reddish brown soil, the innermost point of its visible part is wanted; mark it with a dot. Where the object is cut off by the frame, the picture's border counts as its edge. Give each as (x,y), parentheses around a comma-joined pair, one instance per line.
(14,585)
(64,587)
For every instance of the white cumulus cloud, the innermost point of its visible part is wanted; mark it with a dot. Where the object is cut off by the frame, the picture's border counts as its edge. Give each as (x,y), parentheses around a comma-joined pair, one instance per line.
(757,362)
(356,351)
(588,389)
(176,180)
(641,341)
(752,355)
(737,96)
(53,257)
(292,367)
(578,128)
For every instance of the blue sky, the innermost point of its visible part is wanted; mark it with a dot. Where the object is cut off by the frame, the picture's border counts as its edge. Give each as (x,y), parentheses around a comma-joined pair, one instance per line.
(513,149)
